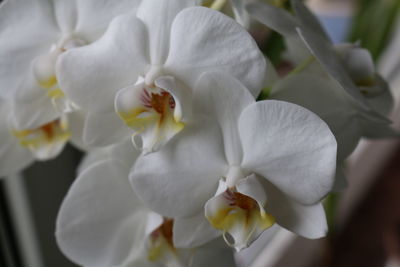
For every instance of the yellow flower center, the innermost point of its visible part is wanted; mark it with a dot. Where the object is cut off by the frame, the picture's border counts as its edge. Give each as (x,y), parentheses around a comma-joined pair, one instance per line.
(46,141)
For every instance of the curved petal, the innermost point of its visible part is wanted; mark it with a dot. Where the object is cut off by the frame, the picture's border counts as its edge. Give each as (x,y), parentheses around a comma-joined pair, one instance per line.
(289,146)
(32,107)
(321,97)
(273,17)
(358,62)
(223,97)
(240,212)
(193,231)
(158,16)
(181,94)
(177,180)
(124,152)
(94,16)
(27,29)
(306,220)
(46,141)
(241,15)
(76,121)
(103,129)
(308,20)
(13,157)
(250,186)
(100,220)
(206,40)
(325,54)
(155,113)
(91,75)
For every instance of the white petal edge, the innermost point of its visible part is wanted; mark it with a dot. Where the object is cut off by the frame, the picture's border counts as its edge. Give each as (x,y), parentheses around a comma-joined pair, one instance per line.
(206,40)
(100,219)
(289,146)
(177,180)
(221,96)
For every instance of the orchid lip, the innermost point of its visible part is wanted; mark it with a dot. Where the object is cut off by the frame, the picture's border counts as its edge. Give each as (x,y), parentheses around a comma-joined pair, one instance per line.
(46,141)
(150,112)
(238,215)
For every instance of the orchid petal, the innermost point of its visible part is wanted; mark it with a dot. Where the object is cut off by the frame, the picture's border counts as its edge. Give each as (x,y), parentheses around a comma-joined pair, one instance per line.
(239,214)
(158,16)
(124,152)
(325,54)
(32,107)
(273,17)
(76,125)
(46,141)
(193,231)
(223,97)
(94,16)
(321,97)
(103,129)
(358,62)
(122,49)
(289,146)
(26,30)
(241,15)
(184,174)
(306,220)
(100,219)
(251,187)
(154,112)
(205,40)
(308,20)
(13,156)
(181,94)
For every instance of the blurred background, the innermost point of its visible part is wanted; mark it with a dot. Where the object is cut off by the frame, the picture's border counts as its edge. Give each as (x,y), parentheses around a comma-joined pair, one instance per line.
(364,220)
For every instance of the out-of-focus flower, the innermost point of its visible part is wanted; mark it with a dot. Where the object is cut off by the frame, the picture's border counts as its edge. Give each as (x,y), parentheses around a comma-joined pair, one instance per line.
(33,34)
(102,223)
(141,74)
(19,148)
(306,32)
(275,162)
(357,111)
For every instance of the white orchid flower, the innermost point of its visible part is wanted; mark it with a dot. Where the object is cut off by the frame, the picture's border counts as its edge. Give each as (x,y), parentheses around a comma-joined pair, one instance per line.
(20,147)
(102,223)
(306,33)
(33,34)
(138,78)
(275,162)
